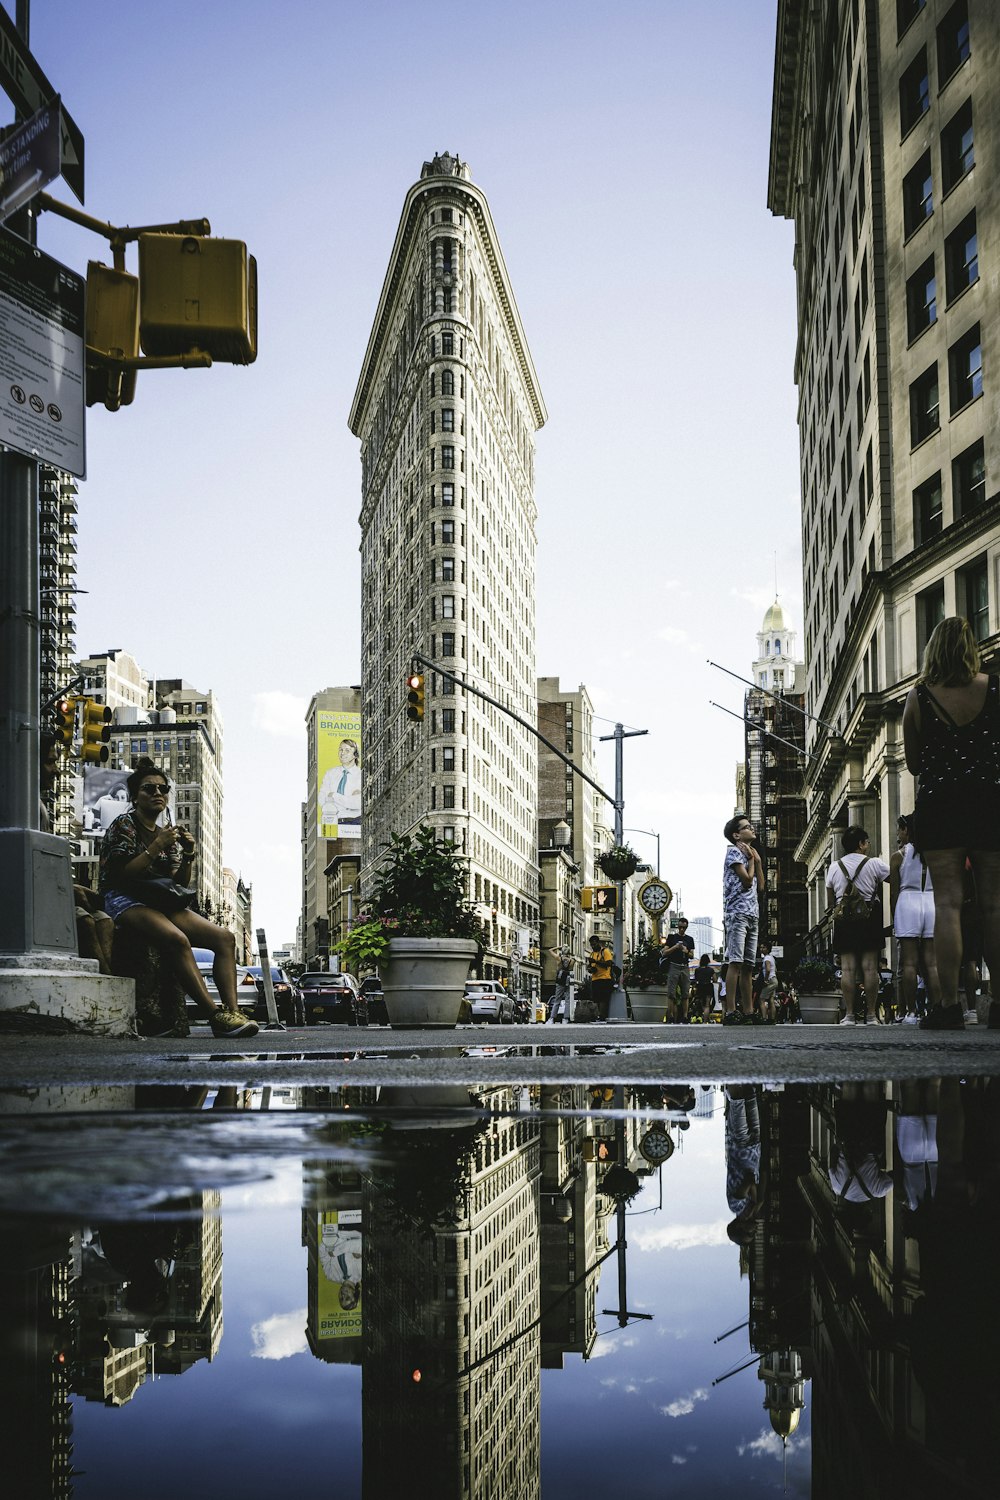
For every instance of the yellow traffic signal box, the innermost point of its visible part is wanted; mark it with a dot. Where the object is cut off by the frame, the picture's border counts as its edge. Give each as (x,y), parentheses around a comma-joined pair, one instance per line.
(113,331)
(66,722)
(599,898)
(415,696)
(197,294)
(96,733)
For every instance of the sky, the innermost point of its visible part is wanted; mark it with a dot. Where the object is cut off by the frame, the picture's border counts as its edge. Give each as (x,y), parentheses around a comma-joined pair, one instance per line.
(624,153)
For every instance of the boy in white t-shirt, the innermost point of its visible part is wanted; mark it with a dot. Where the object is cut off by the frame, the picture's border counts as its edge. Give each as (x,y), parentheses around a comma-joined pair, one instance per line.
(857,940)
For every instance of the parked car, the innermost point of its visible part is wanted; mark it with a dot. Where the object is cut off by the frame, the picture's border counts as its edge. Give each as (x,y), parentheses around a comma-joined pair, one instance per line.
(332,998)
(287,996)
(489,1000)
(371,989)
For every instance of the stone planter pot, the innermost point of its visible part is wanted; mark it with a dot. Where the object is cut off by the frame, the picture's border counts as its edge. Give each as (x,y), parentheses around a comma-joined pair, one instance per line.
(822,1009)
(424,981)
(650,1004)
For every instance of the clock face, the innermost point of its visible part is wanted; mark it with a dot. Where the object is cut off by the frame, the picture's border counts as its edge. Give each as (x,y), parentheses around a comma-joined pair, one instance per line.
(655,899)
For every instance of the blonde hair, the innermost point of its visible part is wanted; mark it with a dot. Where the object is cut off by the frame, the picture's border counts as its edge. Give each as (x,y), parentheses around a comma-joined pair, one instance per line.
(952,656)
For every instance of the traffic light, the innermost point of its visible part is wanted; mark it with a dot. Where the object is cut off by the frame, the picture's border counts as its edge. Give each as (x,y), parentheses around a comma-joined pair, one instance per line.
(66,722)
(415,696)
(605,898)
(197,293)
(96,733)
(596,1149)
(112,331)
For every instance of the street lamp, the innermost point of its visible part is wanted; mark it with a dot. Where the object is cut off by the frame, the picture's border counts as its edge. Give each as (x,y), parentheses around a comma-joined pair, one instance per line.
(652,835)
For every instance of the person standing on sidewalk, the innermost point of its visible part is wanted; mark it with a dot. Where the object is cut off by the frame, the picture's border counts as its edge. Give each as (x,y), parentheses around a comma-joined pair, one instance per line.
(769,981)
(911,901)
(559,1008)
(677,957)
(742,881)
(599,961)
(857,938)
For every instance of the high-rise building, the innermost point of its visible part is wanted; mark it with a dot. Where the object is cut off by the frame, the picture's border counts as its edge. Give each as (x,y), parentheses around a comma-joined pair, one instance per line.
(881,113)
(773,712)
(567,719)
(331,813)
(446,409)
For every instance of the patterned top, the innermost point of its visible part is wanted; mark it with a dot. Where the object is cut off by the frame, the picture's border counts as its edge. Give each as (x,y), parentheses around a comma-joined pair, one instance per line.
(960,760)
(121,844)
(737,899)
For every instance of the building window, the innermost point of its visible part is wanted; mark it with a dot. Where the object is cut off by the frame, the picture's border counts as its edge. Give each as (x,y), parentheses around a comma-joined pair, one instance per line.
(447,796)
(448,758)
(924,414)
(965,369)
(447,457)
(958,156)
(974,596)
(448,643)
(448,419)
(918,195)
(448,837)
(448,527)
(927,509)
(906,12)
(447,383)
(447,606)
(447,343)
(447,569)
(953,46)
(961,257)
(921,299)
(447,498)
(930,613)
(447,721)
(914,93)
(968,480)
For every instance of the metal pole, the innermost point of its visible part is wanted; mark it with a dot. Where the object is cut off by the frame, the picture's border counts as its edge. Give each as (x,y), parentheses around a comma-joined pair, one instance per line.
(616,1007)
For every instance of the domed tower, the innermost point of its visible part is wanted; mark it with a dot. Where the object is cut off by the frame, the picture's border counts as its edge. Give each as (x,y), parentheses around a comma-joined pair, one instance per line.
(775,666)
(784,1389)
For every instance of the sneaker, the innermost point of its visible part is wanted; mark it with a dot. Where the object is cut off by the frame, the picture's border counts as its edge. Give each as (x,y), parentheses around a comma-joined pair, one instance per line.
(944,1018)
(873,1021)
(847,1021)
(912,1019)
(733,1018)
(971,1018)
(233,1023)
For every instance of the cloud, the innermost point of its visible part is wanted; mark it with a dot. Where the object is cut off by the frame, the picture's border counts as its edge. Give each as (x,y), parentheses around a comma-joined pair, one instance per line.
(681,1236)
(281,714)
(684,1405)
(610,1345)
(280,1336)
(672,635)
(768,1445)
(677,1458)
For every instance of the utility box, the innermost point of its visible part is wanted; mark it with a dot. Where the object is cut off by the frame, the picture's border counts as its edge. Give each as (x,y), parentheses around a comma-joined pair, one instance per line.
(197,294)
(112,330)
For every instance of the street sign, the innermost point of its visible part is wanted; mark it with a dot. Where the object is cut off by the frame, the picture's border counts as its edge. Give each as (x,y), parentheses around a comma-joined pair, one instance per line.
(24,83)
(42,330)
(29,159)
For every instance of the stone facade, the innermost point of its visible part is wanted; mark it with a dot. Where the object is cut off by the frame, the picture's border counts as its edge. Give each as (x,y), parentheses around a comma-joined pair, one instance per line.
(882,112)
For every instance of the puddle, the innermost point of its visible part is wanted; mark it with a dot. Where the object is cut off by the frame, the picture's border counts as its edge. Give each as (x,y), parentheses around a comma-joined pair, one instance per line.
(510,1290)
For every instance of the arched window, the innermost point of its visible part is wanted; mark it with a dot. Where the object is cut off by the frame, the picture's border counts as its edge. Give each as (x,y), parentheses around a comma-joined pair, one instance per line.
(767,648)
(777,648)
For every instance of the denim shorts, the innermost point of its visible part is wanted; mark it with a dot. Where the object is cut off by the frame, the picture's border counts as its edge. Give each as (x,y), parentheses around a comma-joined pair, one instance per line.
(741,938)
(116,905)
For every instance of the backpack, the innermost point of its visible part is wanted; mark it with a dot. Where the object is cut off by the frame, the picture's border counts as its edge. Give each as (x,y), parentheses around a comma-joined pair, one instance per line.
(616,973)
(852,906)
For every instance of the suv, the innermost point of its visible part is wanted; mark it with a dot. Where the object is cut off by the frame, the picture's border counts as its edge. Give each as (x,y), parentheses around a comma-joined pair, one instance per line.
(489,1000)
(287,997)
(332,997)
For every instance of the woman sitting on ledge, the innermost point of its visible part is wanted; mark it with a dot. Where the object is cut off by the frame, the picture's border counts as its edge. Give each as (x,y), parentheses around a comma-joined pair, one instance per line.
(135,849)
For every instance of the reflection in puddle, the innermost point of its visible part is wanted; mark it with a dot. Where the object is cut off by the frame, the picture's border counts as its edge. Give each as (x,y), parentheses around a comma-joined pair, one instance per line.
(501,1291)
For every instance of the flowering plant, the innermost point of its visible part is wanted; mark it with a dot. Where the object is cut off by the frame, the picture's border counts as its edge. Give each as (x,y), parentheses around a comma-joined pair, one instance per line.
(814,976)
(642,966)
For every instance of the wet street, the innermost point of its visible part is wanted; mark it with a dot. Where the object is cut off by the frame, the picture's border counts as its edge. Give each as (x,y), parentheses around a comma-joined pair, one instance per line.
(506,1262)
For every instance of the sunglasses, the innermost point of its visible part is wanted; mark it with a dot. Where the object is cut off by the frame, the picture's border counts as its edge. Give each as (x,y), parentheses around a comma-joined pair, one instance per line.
(154,788)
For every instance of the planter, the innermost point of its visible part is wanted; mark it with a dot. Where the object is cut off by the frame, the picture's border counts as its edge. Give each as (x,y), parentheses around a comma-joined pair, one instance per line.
(649,1004)
(618,869)
(820,1009)
(424,981)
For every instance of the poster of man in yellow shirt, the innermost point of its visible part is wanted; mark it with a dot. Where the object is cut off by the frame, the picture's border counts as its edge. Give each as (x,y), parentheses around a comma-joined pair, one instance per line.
(338,774)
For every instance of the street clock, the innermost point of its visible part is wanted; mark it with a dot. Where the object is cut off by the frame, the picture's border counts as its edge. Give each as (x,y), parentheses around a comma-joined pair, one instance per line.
(654,897)
(657,1145)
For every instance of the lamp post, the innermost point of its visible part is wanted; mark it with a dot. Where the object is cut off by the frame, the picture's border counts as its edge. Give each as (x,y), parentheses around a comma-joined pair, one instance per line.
(653,835)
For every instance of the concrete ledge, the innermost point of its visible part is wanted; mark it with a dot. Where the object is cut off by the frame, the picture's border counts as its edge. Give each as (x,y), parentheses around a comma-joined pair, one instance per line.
(54,1000)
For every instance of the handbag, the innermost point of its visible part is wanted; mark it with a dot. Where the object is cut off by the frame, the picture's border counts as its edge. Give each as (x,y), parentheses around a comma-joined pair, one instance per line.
(161,893)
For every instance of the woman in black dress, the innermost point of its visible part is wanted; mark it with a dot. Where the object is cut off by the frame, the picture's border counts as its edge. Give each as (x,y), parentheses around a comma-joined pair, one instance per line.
(951,737)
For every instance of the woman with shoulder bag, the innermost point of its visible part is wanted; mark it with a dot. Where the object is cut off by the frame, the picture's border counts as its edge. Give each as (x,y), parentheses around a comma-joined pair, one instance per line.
(854,892)
(143,870)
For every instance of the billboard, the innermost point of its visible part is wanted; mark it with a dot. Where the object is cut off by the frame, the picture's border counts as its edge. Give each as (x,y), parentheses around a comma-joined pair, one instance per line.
(338,774)
(339,1289)
(105,798)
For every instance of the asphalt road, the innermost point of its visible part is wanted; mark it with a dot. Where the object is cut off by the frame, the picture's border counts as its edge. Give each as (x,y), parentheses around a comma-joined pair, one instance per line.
(622,1052)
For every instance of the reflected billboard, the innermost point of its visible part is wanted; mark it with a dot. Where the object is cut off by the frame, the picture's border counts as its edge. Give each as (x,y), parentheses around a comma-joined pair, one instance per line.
(338,774)
(338,1302)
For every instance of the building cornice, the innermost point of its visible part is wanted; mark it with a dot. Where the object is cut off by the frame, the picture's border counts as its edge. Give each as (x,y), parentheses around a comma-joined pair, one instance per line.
(785,113)
(473,202)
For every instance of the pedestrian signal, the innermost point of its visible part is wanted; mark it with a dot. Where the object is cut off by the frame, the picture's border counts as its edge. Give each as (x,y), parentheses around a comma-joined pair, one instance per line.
(96,733)
(605,898)
(594,1149)
(66,722)
(415,696)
